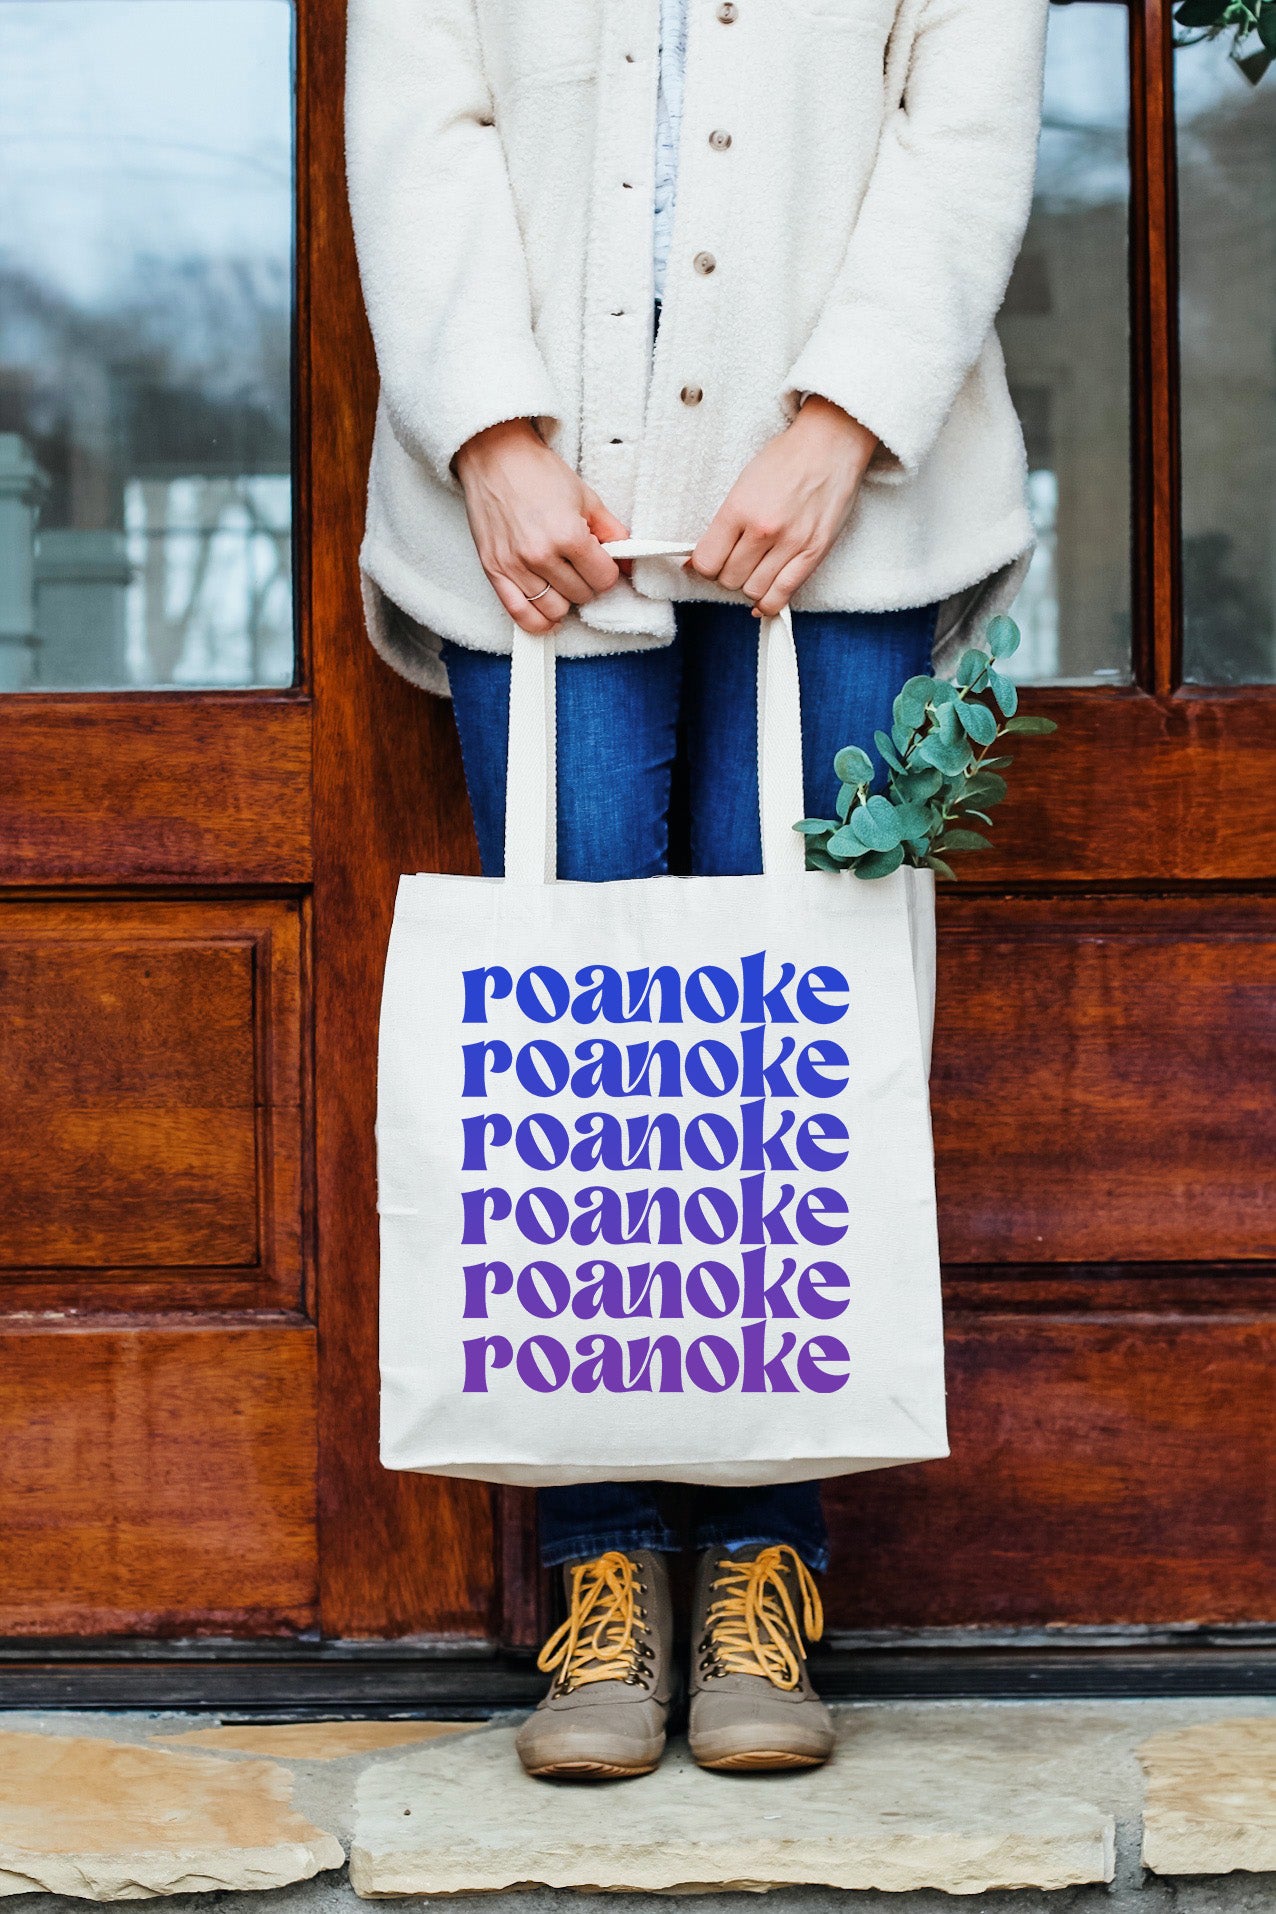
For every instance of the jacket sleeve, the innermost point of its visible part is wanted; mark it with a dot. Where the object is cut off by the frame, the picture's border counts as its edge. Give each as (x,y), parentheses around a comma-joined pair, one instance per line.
(440,254)
(942,220)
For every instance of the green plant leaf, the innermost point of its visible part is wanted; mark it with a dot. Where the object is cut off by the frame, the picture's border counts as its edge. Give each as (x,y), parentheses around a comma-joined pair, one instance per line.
(912,820)
(1003,636)
(912,699)
(814,826)
(847,795)
(845,844)
(941,692)
(875,825)
(1003,690)
(938,865)
(969,811)
(880,863)
(986,787)
(916,786)
(995,764)
(1200,13)
(887,750)
(977,721)
(853,766)
(962,841)
(950,758)
(972,667)
(1028,725)
(818,860)
(1267,29)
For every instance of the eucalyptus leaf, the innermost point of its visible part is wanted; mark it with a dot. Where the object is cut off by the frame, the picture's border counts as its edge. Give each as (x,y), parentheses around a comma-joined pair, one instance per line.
(995,764)
(986,787)
(941,692)
(1003,690)
(853,766)
(815,826)
(962,841)
(916,786)
(946,757)
(1029,725)
(912,820)
(1003,636)
(875,825)
(912,700)
(880,863)
(977,721)
(818,860)
(887,751)
(844,843)
(938,865)
(846,796)
(972,667)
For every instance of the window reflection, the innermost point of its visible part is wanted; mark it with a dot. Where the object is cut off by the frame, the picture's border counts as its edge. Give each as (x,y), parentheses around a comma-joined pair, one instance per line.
(1227,327)
(1065,330)
(145,322)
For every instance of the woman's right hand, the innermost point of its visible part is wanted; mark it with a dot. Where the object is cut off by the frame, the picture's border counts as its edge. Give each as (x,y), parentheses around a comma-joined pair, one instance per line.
(535,523)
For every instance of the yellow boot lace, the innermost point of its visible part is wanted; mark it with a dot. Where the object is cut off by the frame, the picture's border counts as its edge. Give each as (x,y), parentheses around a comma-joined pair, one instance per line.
(603,1638)
(752,1628)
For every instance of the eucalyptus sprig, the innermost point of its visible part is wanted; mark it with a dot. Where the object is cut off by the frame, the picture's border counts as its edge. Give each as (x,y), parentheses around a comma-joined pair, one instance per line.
(940,773)
(1206,19)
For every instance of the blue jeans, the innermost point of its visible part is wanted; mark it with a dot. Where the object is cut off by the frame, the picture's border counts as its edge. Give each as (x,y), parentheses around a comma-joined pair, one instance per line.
(622,720)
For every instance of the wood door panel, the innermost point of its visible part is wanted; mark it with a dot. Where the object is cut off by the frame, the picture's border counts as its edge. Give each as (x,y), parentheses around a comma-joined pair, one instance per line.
(1137,789)
(150,1130)
(1103,1079)
(1102,1471)
(157,1480)
(402,1554)
(166,787)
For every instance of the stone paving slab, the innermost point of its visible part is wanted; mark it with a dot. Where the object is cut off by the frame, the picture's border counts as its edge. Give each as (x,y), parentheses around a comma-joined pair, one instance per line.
(313,1740)
(1210,1805)
(106,1822)
(913,1798)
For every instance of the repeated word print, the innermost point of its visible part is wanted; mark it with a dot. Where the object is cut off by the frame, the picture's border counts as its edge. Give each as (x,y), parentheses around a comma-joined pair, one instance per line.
(648,1199)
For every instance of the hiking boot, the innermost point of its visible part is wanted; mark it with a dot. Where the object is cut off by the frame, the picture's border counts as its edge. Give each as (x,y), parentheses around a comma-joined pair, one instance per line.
(612,1663)
(752,1703)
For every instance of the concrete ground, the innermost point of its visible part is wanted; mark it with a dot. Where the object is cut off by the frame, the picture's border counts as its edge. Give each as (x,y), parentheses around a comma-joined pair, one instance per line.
(944,1802)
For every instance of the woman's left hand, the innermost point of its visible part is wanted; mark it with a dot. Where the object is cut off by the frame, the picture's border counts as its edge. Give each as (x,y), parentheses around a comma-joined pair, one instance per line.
(787,507)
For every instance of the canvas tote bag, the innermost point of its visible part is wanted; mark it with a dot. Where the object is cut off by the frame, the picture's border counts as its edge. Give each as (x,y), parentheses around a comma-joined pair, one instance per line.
(656,1182)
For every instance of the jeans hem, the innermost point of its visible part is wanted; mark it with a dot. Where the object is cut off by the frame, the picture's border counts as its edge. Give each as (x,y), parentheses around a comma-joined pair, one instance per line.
(585,1548)
(816,1556)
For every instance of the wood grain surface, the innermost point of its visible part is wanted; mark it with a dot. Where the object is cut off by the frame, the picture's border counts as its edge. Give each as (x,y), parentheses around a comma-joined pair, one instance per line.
(151,1126)
(162,787)
(401,1554)
(157,1479)
(1103,1470)
(1103,1080)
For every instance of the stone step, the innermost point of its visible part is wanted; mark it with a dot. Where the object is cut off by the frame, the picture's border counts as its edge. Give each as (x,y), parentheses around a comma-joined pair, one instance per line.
(1041,1804)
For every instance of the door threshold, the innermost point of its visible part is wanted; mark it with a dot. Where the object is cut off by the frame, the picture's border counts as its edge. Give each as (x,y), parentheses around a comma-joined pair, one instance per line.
(472,1680)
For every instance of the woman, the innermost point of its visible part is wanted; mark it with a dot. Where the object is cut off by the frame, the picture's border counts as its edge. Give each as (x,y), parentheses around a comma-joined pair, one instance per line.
(810,209)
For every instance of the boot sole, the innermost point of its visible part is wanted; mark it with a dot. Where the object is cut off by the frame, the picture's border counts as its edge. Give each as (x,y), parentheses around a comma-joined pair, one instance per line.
(761,1760)
(589,1770)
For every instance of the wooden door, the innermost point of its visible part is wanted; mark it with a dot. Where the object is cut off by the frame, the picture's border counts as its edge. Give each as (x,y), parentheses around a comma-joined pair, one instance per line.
(197,885)
(208,788)
(1107,1022)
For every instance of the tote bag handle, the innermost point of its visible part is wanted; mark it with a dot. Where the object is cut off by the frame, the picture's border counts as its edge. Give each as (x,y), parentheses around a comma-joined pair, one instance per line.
(531,822)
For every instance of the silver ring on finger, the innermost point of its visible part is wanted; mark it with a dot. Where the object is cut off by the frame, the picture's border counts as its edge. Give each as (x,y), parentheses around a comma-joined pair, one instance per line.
(533,596)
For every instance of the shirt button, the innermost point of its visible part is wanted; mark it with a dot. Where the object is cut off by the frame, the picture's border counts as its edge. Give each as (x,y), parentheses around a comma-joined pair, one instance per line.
(727,12)
(691,395)
(719,141)
(704,262)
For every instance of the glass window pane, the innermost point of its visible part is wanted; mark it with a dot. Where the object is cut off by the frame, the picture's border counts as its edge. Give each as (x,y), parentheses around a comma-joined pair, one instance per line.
(1227,327)
(145,342)
(1065,330)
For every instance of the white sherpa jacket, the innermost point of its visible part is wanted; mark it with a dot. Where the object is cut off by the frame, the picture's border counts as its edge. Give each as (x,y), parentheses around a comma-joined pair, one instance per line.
(853,237)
